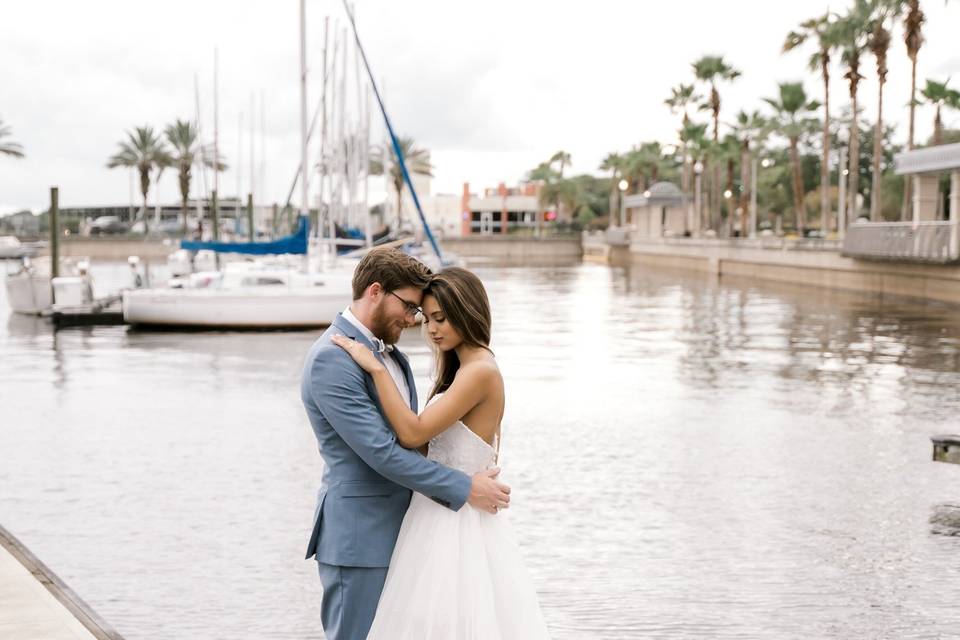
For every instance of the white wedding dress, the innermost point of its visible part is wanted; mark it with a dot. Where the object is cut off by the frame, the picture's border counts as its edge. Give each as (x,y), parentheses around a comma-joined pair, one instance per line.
(457,575)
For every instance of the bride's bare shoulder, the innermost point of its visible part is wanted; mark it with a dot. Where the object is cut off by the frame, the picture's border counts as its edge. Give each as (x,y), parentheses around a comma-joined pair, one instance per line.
(483,371)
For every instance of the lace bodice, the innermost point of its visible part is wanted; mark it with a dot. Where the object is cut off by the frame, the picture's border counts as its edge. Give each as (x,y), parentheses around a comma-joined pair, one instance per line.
(462,449)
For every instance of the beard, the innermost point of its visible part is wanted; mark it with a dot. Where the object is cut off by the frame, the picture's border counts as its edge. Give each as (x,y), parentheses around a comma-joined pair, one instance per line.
(383,327)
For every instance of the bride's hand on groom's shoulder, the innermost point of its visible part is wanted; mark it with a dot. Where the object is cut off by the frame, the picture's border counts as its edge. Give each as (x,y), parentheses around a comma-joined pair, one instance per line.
(360,354)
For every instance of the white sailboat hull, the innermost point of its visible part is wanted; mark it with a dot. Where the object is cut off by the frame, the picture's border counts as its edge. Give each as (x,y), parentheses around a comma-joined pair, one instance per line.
(241,308)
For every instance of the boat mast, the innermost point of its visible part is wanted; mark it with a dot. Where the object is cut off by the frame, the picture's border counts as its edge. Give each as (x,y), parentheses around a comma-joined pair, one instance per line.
(367,228)
(304,203)
(342,133)
(350,153)
(263,151)
(333,162)
(393,138)
(253,163)
(203,165)
(239,154)
(216,124)
(322,168)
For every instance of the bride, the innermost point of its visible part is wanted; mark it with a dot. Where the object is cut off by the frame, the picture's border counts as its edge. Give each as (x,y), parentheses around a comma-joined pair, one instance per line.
(453,574)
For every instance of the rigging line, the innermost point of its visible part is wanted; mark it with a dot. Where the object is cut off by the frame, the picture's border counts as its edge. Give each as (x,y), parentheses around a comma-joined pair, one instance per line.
(393,137)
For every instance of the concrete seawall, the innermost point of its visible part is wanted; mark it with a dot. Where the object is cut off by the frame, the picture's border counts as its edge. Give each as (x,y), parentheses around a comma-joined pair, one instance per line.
(516,249)
(821,268)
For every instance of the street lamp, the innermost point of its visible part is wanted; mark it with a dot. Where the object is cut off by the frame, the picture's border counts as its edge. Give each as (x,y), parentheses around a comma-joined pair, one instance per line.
(623,185)
(697,197)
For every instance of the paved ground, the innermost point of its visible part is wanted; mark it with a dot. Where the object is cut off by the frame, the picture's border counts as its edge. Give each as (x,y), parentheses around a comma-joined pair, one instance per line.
(36,605)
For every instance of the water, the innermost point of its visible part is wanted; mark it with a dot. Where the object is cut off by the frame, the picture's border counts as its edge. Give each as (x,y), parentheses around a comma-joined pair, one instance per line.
(689,459)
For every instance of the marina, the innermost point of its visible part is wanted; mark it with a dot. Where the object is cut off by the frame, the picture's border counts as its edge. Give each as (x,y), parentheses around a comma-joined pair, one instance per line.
(725,309)
(675,444)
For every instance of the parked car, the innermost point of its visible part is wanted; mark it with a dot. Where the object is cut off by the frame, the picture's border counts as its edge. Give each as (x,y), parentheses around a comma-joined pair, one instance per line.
(168,225)
(107,225)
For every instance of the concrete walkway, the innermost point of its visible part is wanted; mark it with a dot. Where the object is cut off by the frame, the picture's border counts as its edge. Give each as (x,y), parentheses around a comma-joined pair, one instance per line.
(36,605)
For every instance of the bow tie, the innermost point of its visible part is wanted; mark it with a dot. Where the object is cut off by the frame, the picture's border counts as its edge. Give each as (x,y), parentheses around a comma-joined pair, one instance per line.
(379,346)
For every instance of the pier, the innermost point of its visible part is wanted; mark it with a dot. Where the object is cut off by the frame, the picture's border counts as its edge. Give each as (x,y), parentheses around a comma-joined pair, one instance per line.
(37,604)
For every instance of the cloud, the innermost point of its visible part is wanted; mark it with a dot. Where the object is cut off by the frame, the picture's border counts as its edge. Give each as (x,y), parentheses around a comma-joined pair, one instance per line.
(492,88)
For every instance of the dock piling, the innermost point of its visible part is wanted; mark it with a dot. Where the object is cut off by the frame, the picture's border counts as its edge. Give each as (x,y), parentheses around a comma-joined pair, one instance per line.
(54,238)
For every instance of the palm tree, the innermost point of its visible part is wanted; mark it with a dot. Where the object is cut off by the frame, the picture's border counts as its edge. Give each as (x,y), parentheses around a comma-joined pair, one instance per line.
(643,165)
(542,171)
(822,29)
(183,137)
(913,38)
(750,128)
(418,163)
(879,45)
(852,31)
(9,148)
(144,150)
(792,120)
(728,151)
(939,95)
(710,70)
(563,194)
(544,174)
(694,137)
(614,163)
(562,158)
(680,98)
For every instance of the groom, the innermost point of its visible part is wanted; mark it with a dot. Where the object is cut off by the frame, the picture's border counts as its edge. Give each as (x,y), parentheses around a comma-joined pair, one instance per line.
(368,476)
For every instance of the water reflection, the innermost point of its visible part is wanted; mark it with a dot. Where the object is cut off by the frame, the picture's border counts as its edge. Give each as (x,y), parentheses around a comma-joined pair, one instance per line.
(690,458)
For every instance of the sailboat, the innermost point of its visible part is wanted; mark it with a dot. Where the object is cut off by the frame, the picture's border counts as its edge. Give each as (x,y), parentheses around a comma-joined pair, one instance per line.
(268,291)
(272,293)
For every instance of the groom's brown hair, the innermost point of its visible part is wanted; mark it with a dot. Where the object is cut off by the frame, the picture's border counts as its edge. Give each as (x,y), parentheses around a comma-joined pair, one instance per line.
(392,268)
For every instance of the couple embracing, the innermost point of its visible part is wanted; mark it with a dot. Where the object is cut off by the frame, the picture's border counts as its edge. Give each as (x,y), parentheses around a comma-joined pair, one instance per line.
(442,564)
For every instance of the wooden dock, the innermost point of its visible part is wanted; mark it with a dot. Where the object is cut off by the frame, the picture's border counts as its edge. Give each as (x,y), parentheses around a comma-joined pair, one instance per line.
(37,604)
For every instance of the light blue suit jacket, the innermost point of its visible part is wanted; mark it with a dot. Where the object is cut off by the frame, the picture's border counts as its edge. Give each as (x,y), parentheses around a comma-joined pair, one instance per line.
(368,477)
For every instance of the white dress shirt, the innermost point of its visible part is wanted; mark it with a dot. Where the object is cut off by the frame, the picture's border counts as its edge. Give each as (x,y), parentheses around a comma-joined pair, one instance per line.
(391,363)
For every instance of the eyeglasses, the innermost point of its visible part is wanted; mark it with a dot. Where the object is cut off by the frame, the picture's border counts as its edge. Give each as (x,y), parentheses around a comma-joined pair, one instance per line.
(409,308)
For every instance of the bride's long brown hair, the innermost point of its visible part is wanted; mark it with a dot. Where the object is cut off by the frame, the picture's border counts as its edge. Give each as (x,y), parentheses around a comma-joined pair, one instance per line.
(464,304)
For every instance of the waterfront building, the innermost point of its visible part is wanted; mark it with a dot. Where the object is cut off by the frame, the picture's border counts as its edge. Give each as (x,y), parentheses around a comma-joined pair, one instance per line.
(933,234)
(502,209)
(167,217)
(496,210)
(660,211)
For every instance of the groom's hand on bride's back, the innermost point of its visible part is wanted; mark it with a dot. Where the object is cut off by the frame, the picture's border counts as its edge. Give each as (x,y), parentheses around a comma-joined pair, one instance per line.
(486,493)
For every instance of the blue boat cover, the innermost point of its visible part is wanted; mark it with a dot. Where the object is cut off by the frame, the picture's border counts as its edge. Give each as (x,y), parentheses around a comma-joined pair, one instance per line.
(297,243)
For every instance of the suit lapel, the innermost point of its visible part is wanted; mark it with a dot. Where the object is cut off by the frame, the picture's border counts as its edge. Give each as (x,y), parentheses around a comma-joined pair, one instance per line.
(408,376)
(348,329)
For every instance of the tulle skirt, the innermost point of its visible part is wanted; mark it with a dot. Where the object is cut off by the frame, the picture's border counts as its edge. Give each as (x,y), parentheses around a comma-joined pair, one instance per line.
(456,575)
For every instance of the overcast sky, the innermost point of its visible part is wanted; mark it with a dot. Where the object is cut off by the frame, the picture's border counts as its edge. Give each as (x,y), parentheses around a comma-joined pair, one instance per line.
(492,87)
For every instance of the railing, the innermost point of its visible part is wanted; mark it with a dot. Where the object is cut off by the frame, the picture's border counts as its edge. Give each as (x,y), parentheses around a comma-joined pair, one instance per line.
(931,242)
